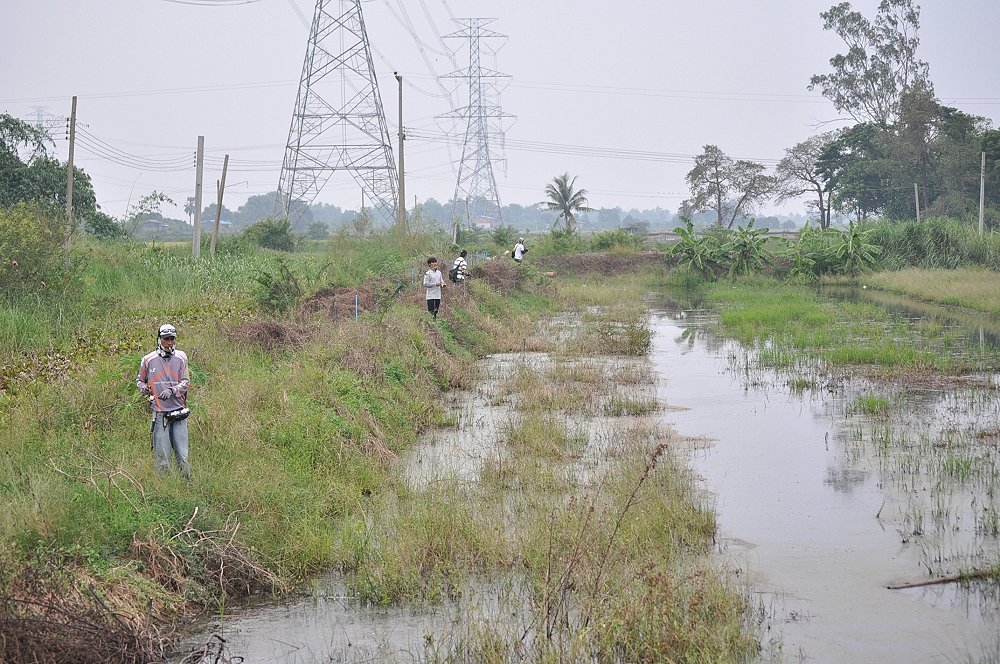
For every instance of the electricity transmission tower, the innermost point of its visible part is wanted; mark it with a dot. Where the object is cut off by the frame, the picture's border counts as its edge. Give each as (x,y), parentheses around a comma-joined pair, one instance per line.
(338,123)
(47,122)
(476,188)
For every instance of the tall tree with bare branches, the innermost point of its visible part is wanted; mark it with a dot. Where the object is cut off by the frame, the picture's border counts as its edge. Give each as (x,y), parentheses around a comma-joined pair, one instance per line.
(731,189)
(798,175)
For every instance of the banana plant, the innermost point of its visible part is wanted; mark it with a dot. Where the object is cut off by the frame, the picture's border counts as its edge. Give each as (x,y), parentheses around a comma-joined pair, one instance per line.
(701,254)
(855,253)
(745,249)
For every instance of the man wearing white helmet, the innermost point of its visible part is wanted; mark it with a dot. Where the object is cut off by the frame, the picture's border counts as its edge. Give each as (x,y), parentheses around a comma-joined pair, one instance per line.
(164,378)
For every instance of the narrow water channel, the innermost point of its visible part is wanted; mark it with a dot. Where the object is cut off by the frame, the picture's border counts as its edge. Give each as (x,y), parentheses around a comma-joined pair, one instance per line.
(815,514)
(814,519)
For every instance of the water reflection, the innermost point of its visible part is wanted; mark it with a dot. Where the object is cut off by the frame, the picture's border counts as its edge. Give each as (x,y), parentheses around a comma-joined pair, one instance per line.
(830,505)
(845,480)
(979,330)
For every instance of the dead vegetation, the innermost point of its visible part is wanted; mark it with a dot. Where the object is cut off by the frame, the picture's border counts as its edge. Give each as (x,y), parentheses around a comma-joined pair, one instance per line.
(503,276)
(340,303)
(268,334)
(44,618)
(192,558)
(602,263)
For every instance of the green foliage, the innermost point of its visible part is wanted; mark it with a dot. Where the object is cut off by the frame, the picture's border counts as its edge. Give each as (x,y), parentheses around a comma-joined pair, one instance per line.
(854,251)
(559,241)
(869,404)
(730,189)
(271,233)
(143,208)
(811,254)
(504,237)
(31,250)
(745,249)
(279,291)
(317,230)
(616,239)
(833,251)
(566,200)
(103,226)
(699,254)
(934,243)
(881,63)
(20,144)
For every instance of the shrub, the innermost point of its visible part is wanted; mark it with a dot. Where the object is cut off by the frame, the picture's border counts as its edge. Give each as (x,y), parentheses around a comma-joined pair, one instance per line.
(278,292)
(698,254)
(271,234)
(318,230)
(103,225)
(31,249)
(607,240)
(560,241)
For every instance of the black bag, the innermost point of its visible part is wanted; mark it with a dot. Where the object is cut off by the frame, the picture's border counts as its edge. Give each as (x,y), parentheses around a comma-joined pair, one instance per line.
(511,253)
(453,274)
(177,415)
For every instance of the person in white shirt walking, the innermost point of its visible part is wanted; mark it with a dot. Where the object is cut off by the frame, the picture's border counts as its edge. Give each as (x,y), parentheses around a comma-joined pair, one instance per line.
(433,282)
(519,250)
(460,269)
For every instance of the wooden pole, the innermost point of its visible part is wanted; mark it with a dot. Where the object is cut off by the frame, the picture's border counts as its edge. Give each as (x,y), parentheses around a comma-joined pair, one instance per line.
(982,191)
(199,168)
(916,200)
(218,206)
(70,221)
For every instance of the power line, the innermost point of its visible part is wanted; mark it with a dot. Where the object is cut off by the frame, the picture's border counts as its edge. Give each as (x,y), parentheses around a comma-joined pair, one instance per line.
(578,150)
(706,95)
(211,3)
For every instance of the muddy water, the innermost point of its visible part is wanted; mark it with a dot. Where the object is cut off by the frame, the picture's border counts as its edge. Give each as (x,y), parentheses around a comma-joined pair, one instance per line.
(820,520)
(815,515)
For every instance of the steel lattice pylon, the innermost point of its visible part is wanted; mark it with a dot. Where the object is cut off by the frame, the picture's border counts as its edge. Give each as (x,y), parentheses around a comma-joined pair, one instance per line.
(483,145)
(338,123)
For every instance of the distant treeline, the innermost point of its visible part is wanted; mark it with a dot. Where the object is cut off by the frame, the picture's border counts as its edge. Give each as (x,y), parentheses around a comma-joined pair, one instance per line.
(434,213)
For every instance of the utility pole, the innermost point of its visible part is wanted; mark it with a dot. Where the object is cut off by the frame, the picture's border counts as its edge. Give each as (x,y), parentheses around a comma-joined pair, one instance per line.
(69,181)
(401,212)
(218,206)
(199,166)
(916,200)
(982,190)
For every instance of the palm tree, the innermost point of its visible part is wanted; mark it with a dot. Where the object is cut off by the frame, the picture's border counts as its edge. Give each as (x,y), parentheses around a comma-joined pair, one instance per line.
(565,200)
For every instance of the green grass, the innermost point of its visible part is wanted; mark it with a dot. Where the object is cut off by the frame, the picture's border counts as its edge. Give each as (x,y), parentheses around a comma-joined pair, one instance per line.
(788,321)
(970,288)
(869,404)
(295,453)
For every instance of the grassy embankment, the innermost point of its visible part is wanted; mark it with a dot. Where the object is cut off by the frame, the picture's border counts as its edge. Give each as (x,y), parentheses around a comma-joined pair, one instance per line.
(297,426)
(970,288)
(792,325)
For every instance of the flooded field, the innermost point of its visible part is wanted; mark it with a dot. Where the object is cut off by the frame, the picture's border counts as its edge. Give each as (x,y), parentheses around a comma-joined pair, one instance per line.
(828,492)
(835,499)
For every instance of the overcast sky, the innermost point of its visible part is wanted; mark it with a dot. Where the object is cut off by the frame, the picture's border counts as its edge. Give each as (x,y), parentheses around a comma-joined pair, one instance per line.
(647,83)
